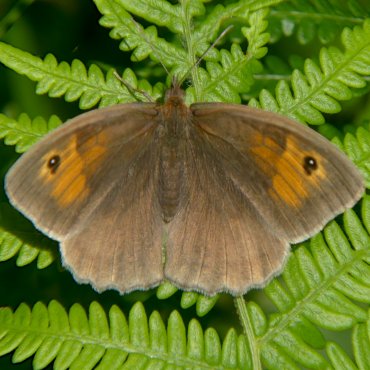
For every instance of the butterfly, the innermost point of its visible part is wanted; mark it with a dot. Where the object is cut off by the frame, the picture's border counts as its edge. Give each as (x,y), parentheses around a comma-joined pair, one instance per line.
(208,196)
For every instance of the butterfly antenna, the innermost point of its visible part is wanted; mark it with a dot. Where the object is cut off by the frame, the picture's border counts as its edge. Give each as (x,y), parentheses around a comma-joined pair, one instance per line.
(174,81)
(132,90)
(143,35)
(199,60)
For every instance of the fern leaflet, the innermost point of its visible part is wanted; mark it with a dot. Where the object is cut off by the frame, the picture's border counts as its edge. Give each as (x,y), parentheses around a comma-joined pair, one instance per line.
(74,81)
(319,88)
(24,132)
(316,19)
(23,240)
(76,341)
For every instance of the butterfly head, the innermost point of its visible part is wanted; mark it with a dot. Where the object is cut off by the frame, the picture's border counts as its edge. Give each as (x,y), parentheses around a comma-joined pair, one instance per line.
(175,95)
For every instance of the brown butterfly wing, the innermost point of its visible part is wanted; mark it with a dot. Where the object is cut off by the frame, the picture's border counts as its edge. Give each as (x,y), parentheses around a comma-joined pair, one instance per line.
(255,182)
(77,186)
(295,178)
(218,241)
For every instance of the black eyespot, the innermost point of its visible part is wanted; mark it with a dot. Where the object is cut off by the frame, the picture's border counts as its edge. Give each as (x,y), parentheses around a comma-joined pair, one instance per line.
(310,164)
(54,163)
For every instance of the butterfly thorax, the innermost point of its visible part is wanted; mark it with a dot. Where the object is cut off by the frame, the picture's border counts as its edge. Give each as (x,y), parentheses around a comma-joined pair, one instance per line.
(174,112)
(175,119)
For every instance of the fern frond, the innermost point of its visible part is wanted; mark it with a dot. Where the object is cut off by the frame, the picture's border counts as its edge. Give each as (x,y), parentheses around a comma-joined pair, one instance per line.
(24,132)
(23,240)
(324,286)
(76,341)
(339,358)
(320,88)
(143,42)
(224,81)
(361,344)
(163,13)
(226,74)
(74,81)
(322,19)
(357,147)
(206,31)
(233,74)
(202,303)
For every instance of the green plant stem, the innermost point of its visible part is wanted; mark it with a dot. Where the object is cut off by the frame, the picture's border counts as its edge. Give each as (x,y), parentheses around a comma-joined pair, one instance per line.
(190,44)
(246,324)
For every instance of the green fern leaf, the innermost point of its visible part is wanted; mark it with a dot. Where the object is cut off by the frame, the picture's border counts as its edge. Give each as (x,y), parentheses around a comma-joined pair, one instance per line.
(23,240)
(73,81)
(143,42)
(78,341)
(224,81)
(202,303)
(322,20)
(166,290)
(233,74)
(209,28)
(357,147)
(219,82)
(361,344)
(324,286)
(319,88)
(24,132)
(338,357)
(163,13)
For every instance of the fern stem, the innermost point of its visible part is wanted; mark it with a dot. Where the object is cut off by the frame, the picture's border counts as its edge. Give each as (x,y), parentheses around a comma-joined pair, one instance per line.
(189,44)
(247,326)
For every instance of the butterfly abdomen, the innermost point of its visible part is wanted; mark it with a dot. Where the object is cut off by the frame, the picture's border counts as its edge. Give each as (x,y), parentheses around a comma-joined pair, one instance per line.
(171,176)
(174,122)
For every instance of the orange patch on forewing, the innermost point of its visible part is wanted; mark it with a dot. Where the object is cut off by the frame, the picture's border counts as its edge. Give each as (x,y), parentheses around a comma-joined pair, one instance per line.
(92,151)
(266,152)
(78,161)
(285,167)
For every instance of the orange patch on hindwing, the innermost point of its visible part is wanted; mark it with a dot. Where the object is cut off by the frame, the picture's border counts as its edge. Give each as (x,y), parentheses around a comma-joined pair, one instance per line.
(286,166)
(68,170)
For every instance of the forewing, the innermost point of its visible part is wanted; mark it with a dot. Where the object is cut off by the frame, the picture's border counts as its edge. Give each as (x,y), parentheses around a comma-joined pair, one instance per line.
(294,178)
(218,241)
(58,199)
(90,185)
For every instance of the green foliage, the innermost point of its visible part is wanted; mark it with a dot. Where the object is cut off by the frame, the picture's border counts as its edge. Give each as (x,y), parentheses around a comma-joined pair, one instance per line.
(19,238)
(320,20)
(73,340)
(24,132)
(361,344)
(13,14)
(73,81)
(325,286)
(318,89)
(357,148)
(203,303)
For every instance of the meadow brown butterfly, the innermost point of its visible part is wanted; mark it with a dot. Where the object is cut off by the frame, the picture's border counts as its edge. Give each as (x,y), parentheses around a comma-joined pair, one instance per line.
(208,197)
